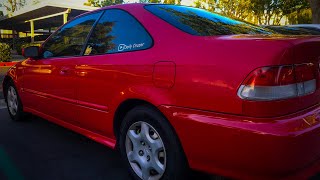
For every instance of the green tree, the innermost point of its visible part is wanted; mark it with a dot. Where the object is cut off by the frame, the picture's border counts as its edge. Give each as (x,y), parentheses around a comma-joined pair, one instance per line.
(110,2)
(35,2)
(238,9)
(12,5)
(93,3)
(209,5)
(102,3)
(150,1)
(271,12)
(172,1)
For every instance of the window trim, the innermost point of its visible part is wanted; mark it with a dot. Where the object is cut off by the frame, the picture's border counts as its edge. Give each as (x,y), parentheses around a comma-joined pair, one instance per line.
(88,35)
(152,40)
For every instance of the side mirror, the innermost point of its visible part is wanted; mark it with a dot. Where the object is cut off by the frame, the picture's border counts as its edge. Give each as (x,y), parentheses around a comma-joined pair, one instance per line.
(31,52)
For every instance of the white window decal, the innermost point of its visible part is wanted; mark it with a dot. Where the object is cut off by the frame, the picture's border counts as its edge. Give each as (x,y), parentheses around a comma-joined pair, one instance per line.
(124,47)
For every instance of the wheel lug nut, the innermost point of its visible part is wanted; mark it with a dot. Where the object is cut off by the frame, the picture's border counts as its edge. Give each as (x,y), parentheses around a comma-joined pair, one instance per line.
(141,153)
(148,158)
(143,143)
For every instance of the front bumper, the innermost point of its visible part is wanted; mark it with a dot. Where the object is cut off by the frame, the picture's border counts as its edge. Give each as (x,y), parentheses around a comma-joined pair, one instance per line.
(249,148)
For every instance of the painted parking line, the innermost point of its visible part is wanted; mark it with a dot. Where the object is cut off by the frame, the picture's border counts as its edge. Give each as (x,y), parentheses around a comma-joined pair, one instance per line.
(3,104)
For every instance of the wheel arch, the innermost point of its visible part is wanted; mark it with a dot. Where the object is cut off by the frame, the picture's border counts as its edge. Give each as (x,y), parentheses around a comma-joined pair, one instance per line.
(123,109)
(129,104)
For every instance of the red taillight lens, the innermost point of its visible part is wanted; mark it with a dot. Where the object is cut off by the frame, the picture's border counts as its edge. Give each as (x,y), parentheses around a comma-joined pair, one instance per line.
(271,76)
(305,72)
(279,82)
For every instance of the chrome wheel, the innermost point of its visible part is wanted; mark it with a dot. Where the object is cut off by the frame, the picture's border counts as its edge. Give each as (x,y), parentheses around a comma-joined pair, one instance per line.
(12,100)
(145,151)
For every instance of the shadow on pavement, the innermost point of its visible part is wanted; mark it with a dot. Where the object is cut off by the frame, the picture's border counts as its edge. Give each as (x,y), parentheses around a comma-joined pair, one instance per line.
(38,149)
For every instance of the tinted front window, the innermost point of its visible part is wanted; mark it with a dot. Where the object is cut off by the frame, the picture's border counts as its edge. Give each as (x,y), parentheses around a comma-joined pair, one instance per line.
(69,40)
(117,31)
(200,22)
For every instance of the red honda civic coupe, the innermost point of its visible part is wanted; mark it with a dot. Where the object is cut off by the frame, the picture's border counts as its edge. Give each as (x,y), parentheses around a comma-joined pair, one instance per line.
(175,87)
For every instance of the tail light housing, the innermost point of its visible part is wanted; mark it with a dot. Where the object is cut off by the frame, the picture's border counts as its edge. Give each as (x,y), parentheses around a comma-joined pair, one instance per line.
(280,82)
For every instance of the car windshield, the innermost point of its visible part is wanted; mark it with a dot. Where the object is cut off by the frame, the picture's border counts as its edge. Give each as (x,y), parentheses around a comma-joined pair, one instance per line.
(202,23)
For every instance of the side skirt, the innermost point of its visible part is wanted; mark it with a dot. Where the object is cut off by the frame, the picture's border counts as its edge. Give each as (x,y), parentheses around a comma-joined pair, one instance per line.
(94,136)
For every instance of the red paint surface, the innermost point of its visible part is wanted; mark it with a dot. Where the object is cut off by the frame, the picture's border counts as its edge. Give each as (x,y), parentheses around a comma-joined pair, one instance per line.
(220,133)
(7,64)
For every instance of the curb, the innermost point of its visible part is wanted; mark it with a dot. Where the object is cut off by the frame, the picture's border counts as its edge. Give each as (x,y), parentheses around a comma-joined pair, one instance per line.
(7,64)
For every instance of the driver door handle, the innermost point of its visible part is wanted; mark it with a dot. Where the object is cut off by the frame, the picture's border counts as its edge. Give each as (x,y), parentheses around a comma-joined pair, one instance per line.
(65,71)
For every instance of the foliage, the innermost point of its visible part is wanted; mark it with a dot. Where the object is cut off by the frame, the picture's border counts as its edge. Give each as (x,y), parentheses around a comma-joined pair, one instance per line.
(12,5)
(5,53)
(300,17)
(238,9)
(35,2)
(267,12)
(102,3)
(18,43)
(150,1)
(172,1)
(206,4)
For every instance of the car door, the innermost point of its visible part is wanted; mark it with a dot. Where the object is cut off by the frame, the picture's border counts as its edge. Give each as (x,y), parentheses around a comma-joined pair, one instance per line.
(49,83)
(113,59)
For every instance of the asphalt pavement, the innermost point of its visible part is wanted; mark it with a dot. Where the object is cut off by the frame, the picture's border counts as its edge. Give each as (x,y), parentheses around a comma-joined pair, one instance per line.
(38,149)
(3,71)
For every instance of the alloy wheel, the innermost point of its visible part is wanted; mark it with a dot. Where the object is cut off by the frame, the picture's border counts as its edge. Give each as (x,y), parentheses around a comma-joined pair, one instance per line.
(12,100)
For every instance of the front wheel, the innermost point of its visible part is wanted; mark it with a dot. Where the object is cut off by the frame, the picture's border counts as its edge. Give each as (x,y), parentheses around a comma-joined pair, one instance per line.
(150,147)
(14,103)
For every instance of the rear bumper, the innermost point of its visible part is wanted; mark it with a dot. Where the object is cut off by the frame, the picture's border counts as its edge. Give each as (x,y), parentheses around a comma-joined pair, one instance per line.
(249,148)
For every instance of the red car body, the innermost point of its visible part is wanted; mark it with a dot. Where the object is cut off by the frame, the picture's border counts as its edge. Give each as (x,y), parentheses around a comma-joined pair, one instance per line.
(194,82)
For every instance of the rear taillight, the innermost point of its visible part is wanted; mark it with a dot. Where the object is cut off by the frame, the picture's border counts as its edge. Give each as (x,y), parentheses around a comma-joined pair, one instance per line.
(279,82)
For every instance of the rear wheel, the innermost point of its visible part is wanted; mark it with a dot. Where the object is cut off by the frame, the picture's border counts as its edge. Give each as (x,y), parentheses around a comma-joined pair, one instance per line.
(14,103)
(149,146)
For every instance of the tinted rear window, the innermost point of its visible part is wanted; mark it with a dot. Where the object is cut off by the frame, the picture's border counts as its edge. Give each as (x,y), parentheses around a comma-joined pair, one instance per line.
(202,23)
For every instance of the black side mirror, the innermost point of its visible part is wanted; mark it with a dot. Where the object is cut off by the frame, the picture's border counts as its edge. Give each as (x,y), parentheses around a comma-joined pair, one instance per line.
(31,52)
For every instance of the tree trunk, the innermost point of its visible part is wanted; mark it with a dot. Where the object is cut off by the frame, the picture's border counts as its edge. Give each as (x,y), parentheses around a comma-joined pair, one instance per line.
(315,8)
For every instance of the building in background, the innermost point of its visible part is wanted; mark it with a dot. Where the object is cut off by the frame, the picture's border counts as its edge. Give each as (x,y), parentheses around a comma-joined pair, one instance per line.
(38,21)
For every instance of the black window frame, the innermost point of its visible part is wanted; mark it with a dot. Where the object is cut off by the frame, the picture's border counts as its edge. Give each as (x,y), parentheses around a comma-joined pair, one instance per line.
(95,24)
(84,45)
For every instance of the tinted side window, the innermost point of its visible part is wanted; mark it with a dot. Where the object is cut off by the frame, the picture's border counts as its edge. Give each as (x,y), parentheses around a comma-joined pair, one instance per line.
(69,40)
(117,31)
(202,23)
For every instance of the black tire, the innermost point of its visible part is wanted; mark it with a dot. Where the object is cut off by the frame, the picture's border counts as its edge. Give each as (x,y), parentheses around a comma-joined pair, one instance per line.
(176,163)
(19,115)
